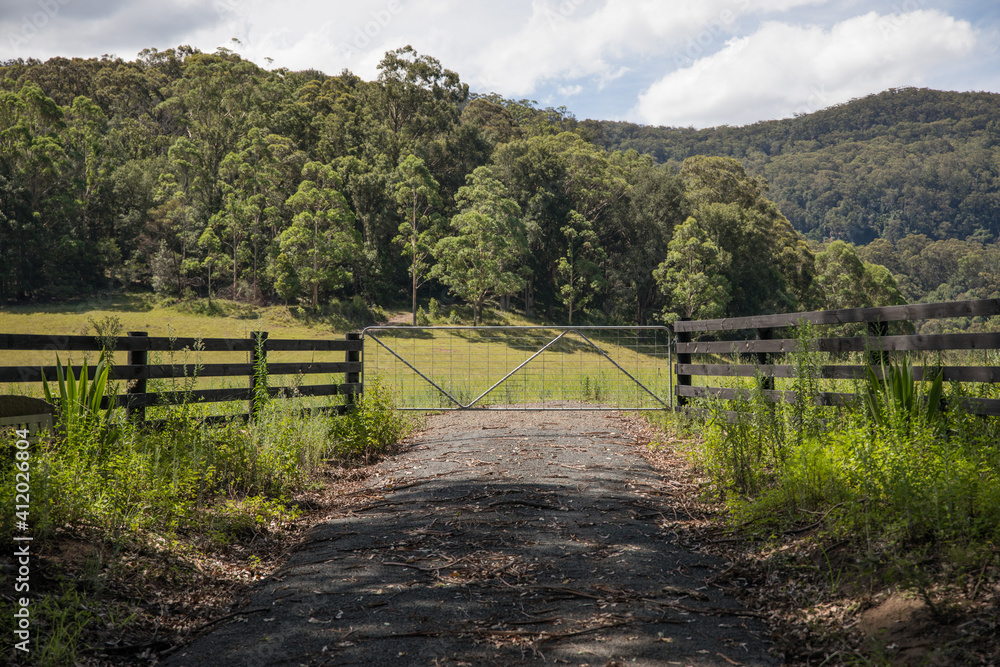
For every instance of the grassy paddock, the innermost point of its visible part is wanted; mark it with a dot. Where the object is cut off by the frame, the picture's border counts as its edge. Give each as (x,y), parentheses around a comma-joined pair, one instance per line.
(193,319)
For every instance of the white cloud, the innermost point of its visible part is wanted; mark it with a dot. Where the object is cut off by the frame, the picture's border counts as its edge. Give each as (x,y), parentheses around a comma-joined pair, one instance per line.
(46,28)
(574,39)
(783,69)
(570,91)
(712,61)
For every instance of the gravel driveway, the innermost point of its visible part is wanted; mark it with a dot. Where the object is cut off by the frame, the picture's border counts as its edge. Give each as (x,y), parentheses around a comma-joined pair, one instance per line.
(497,538)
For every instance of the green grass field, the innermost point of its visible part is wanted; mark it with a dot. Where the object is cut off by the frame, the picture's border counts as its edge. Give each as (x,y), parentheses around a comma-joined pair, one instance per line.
(462,363)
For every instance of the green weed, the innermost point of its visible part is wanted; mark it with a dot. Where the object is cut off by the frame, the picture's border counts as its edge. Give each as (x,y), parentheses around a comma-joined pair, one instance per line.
(892,466)
(371,428)
(63,620)
(79,403)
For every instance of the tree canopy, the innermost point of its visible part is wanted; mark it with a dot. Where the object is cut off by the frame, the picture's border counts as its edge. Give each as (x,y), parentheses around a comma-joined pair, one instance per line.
(202,174)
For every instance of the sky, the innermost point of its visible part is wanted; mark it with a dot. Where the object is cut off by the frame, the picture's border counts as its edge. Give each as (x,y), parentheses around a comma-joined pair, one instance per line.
(682,63)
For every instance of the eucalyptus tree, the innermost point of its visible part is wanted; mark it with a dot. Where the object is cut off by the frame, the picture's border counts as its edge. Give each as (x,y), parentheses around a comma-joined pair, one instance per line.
(844,280)
(211,249)
(256,179)
(319,247)
(636,234)
(689,276)
(768,266)
(579,275)
(414,101)
(555,178)
(483,257)
(418,201)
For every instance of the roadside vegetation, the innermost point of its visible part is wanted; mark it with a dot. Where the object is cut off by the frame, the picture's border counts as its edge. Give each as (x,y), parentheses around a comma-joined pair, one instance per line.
(870,532)
(145,505)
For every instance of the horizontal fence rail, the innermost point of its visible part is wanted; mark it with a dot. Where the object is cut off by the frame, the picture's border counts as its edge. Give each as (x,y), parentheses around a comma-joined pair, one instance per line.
(914,343)
(138,369)
(766,347)
(909,312)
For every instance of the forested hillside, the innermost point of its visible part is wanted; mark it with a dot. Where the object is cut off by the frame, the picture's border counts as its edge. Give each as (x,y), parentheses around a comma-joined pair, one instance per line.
(913,174)
(203,175)
(905,161)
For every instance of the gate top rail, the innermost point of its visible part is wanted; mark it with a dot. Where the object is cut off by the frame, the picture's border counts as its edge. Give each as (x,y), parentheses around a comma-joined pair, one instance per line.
(916,311)
(555,327)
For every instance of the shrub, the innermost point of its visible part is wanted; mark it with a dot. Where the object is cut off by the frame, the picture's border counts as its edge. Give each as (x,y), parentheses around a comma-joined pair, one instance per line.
(370,429)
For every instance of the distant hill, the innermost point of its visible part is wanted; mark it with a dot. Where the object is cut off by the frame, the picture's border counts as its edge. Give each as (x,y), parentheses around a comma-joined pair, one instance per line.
(905,161)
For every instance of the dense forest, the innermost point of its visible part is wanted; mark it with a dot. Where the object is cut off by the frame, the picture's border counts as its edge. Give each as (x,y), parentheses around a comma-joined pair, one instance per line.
(905,161)
(911,175)
(204,175)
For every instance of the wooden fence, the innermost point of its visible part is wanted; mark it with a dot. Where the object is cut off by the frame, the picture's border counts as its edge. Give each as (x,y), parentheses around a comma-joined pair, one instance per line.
(137,371)
(766,347)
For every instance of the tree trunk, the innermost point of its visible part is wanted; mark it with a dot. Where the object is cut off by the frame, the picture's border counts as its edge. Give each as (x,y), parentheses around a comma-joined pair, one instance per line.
(414,274)
(315,262)
(413,269)
(234,261)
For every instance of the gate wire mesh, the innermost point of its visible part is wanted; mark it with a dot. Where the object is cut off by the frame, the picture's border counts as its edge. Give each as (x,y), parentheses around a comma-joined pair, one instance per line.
(521,367)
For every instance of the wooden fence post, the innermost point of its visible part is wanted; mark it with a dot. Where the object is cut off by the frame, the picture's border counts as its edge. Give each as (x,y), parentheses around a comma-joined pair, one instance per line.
(137,388)
(258,357)
(683,358)
(764,358)
(352,356)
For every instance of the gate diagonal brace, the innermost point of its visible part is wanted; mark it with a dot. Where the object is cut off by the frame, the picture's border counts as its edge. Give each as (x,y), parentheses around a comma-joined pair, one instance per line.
(522,365)
(616,365)
(415,370)
(480,397)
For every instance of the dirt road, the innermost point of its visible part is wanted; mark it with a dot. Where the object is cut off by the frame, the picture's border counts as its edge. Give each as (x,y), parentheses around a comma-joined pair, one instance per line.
(497,538)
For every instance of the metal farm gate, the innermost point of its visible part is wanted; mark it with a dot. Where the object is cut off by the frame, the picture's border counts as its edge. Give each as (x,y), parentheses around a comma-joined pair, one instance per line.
(521,367)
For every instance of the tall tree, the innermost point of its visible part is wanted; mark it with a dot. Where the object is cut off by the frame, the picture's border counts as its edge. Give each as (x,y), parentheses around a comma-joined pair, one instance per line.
(844,280)
(770,267)
(321,243)
(483,257)
(255,182)
(419,201)
(211,249)
(578,270)
(415,100)
(688,277)
(636,239)
(550,176)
